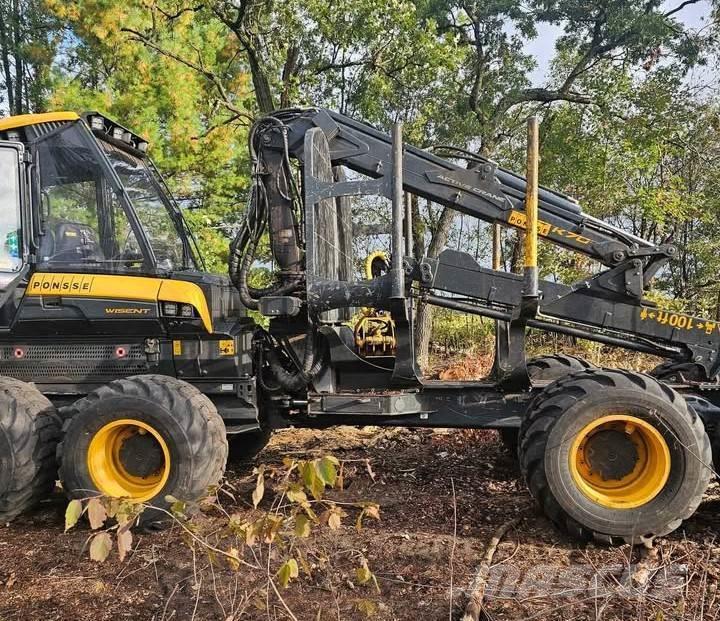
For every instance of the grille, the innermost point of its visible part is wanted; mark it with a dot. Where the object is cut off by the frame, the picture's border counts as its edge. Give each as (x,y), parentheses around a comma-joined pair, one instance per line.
(71,363)
(41,129)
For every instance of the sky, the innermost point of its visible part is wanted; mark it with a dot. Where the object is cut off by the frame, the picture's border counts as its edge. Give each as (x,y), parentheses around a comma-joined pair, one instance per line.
(543,46)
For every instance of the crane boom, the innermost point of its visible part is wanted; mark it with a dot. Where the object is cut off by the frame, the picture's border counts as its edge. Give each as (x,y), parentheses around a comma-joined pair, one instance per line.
(608,307)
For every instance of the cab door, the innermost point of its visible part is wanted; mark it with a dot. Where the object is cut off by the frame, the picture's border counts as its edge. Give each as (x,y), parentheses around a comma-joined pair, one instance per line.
(13,244)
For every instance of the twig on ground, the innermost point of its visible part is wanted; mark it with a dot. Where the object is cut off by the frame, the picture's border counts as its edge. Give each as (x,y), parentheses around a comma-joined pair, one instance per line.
(477,588)
(167,603)
(646,566)
(282,601)
(198,589)
(452,549)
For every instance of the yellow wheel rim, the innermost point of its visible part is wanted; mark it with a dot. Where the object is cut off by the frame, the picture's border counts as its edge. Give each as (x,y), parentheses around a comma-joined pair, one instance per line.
(128,458)
(620,461)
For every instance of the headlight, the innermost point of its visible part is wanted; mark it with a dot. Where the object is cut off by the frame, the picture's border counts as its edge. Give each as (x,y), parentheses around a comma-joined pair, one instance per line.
(174,309)
(186,310)
(97,123)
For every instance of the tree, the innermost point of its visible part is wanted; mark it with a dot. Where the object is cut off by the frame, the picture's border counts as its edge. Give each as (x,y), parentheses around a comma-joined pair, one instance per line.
(494,94)
(647,161)
(197,142)
(29,38)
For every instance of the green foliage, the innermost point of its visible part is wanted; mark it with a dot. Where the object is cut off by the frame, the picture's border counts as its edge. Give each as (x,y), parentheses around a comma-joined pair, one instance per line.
(30,38)
(455,331)
(197,144)
(284,522)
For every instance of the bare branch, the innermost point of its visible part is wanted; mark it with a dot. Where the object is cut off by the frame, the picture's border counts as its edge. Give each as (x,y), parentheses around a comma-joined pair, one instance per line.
(680,7)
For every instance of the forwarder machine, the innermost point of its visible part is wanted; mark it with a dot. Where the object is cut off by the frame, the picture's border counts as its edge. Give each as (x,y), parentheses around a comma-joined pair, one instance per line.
(156,367)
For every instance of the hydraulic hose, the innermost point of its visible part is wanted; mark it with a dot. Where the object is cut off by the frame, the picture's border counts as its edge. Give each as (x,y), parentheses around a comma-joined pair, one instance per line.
(312,365)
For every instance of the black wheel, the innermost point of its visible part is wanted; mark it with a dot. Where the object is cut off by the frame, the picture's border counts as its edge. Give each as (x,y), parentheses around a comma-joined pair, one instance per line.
(246,446)
(614,456)
(143,438)
(546,368)
(675,372)
(549,368)
(29,432)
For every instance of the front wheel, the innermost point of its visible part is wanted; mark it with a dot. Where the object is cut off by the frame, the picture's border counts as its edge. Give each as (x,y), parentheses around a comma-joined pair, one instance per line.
(143,438)
(614,456)
(29,431)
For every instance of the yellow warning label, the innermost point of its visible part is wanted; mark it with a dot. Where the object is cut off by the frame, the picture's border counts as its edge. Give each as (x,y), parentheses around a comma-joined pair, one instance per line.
(679,321)
(177,348)
(519,219)
(226,347)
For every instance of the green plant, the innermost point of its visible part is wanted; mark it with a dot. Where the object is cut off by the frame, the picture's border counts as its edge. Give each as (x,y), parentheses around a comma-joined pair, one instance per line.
(288,503)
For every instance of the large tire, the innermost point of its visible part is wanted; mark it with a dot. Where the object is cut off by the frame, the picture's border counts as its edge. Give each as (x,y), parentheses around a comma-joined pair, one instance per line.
(559,416)
(552,367)
(29,432)
(173,445)
(674,372)
(246,446)
(544,368)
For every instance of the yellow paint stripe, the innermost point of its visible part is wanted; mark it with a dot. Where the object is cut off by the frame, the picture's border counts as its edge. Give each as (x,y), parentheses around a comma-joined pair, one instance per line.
(116,287)
(23,120)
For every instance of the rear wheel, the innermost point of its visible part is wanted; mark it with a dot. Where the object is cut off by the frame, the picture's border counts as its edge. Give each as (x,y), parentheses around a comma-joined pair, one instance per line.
(143,438)
(29,431)
(614,456)
(544,368)
(555,366)
(675,372)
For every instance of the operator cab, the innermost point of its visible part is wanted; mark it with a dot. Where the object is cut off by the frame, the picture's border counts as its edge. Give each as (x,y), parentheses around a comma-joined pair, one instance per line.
(99,203)
(79,196)
(96,254)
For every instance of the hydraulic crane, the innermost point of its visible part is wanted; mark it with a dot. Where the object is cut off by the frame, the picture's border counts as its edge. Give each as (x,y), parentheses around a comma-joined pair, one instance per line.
(595,450)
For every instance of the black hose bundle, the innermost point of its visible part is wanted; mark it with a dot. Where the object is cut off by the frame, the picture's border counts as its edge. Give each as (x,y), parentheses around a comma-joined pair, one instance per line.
(243,252)
(243,248)
(290,381)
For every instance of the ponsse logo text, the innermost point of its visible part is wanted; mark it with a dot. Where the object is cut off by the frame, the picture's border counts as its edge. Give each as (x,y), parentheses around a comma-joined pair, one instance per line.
(57,285)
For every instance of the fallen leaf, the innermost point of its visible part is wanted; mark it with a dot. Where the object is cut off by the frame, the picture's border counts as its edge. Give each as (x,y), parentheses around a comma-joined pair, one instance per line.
(96,513)
(72,514)
(100,547)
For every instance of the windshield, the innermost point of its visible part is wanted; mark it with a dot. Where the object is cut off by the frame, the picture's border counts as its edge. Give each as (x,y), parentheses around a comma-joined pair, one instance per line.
(164,227)
(83,223)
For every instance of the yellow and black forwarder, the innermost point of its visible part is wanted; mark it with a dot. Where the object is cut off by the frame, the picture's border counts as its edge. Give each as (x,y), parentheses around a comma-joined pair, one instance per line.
(108,317)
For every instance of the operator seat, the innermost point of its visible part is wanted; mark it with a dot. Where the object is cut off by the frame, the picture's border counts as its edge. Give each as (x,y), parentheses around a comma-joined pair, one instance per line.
(71,241)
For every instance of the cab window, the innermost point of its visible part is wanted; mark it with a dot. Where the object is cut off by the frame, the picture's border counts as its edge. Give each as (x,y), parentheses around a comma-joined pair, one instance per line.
(163,228)
(10,219)
(84,225)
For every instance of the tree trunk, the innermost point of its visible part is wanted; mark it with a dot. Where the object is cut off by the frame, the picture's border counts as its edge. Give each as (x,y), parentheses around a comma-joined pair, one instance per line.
(516,259)
(424,312)
(19,65)
(5,50)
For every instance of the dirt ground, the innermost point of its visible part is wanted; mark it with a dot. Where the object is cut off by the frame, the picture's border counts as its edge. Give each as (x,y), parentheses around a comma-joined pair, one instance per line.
(442,495)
